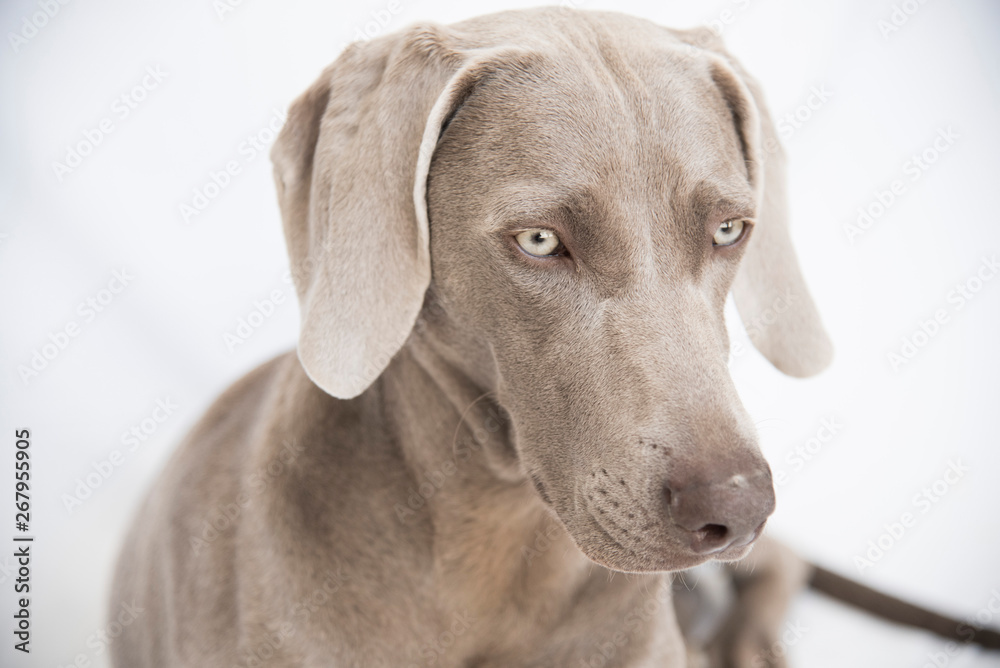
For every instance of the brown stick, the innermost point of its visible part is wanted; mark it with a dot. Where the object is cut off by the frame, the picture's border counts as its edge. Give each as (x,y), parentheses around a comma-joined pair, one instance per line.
(895,610)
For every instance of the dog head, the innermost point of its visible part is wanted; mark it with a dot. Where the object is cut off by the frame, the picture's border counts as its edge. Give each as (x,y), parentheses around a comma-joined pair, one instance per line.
(576,194)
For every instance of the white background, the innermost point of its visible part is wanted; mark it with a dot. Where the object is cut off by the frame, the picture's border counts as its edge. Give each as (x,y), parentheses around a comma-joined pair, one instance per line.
(162,336)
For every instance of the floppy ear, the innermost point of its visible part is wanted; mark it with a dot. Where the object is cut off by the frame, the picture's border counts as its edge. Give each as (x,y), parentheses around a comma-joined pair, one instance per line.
(350,167)
(770,292)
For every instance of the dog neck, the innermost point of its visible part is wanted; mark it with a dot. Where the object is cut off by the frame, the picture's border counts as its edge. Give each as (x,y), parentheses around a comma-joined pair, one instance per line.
(491,529)
(495,540)
(500,553)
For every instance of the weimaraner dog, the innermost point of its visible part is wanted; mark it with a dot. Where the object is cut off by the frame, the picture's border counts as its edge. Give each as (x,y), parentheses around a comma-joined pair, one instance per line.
(510,415)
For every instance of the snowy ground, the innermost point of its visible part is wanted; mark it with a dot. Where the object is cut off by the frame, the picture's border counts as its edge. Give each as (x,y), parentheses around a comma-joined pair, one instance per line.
(203,89)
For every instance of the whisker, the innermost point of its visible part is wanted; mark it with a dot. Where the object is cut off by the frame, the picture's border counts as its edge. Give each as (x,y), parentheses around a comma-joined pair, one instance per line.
(461,420)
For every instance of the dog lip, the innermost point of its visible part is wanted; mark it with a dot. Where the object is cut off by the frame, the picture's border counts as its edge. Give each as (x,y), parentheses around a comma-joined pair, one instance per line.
(653,560)
(540,488)
(752,537)
(607,532)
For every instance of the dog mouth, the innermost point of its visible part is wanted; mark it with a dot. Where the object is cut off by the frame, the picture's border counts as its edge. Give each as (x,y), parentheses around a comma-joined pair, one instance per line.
(648,548)
(540,488)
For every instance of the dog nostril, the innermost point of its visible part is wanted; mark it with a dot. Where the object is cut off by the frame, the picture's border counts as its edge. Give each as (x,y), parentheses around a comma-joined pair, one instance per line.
(712,535)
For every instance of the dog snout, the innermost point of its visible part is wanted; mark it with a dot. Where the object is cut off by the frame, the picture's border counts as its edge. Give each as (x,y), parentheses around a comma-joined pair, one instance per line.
(721,515)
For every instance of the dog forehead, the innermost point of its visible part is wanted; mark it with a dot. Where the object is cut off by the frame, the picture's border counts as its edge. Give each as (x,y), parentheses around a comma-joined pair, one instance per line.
(598,130)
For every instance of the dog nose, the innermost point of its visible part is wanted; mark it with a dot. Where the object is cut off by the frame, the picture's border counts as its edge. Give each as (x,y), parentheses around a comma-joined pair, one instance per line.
(720,515)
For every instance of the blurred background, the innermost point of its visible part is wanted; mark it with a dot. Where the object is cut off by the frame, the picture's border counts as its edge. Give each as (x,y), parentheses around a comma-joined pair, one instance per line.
(139,228)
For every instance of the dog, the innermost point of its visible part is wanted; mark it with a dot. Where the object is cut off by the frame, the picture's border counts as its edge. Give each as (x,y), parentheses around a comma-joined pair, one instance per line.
(509,417)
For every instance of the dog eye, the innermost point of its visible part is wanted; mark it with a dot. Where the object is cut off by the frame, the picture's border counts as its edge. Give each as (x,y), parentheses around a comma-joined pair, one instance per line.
(539,242)
(728,233)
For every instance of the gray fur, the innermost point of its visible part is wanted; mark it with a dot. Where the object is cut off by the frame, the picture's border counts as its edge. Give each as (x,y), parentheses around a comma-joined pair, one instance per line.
(468,461)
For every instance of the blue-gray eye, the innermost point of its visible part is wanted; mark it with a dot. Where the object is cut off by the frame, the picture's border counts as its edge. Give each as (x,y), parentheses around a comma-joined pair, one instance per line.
(538,242)
(728,233)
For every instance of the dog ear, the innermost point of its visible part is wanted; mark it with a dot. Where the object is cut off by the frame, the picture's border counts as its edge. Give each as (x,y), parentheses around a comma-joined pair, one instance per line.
(769,290)
(350,167)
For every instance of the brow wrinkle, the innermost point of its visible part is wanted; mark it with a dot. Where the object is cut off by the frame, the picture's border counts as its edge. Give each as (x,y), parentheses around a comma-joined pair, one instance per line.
(711,198)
